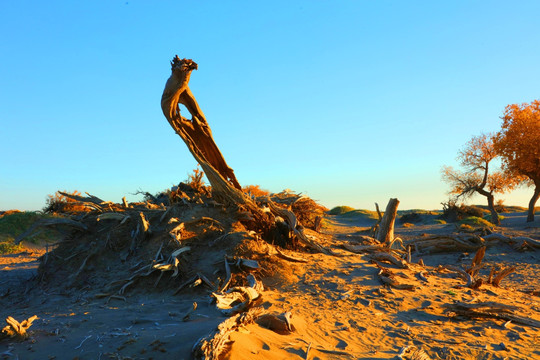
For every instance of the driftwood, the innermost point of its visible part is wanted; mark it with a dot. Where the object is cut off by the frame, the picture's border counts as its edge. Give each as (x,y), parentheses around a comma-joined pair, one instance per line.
(491,310)
(389,279)
(15,329)
(519,241)
(387,257)
(470,242)
(280,324)
(447,243)
(239,298)
(211,346)
(386,228)
(411,352)
(282,255)
(53,223)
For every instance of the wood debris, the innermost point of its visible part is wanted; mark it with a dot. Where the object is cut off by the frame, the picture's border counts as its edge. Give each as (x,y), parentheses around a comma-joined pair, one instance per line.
(491,310)
(211,346)
(15,329)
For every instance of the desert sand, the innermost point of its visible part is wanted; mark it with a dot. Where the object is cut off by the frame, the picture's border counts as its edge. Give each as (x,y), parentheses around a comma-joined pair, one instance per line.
(338,306)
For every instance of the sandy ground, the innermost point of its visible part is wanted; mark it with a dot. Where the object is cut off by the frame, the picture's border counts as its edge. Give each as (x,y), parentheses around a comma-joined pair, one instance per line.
(340,310)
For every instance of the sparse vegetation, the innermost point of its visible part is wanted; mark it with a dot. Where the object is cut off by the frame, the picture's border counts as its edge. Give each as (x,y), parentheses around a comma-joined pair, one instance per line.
(362,213)
(60,204)
(475,221)
(407,225)
(412,217)
(453,212)
(7,246)
(15,224)
(255,190)
(339,210)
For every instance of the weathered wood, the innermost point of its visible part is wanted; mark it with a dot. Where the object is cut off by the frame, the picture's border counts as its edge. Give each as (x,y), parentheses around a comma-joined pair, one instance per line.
(282,255)
(491,310)
(211,346)
(386,228)
(15,329)
(384,256)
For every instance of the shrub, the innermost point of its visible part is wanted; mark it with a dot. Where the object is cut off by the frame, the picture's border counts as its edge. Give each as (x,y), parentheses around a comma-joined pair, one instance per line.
(475,221)
(59,203)
(15,224)
(453,212)
(255,191)
(7,246)
(407,225)
(339,210)
(412,217)
(440,221)
(196,181)
(362,213)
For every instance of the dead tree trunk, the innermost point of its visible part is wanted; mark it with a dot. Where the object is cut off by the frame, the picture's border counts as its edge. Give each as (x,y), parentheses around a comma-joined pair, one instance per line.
(532,203)
(386,227)
(197,136)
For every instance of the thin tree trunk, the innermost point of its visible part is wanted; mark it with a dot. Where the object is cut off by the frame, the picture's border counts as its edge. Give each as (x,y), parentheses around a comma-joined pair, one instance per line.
(386,228)
(532,203)
(491,205)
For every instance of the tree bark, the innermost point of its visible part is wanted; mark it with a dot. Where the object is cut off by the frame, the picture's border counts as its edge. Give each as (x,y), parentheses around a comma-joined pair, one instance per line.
(494,215)
(532,203)
(491,205)
(386,228)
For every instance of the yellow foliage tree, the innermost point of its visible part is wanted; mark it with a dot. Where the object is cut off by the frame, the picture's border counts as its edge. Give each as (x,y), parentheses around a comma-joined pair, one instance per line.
(518,144)
(477,177)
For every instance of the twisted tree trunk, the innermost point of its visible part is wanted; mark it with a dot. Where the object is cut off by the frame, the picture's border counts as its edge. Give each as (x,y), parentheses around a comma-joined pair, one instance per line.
(532,203)
(198,137)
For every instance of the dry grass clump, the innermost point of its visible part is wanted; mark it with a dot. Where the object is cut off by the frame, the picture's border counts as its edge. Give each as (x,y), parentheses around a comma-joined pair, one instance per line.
(255,190)
(339,210)
(273,270)
(61,204)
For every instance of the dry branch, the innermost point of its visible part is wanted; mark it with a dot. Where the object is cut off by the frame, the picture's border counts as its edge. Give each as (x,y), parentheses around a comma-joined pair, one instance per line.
(491,310)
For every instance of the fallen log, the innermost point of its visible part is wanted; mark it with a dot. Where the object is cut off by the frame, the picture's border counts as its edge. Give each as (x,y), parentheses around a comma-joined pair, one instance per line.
(491,310)
(387,257)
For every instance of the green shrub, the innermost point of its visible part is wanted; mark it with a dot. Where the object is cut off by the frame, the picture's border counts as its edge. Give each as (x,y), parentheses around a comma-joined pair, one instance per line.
(440,221)
(475,221)
(7,246)
(14,224)
(361,213)
(339,210)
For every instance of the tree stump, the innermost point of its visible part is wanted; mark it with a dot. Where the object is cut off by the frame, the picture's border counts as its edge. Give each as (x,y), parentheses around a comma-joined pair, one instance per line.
(386,227)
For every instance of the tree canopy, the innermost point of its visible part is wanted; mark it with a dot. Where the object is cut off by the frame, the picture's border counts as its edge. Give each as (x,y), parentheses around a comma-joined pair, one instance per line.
(518,144)
(478,176)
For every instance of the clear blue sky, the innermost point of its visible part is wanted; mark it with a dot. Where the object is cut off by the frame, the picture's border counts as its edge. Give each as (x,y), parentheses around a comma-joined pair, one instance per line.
(349,102)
